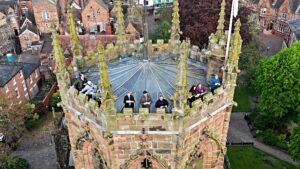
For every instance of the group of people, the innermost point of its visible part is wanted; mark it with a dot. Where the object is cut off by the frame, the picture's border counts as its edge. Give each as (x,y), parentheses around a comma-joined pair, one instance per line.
(199,90)
(88,88)
(84,86)
(145,101)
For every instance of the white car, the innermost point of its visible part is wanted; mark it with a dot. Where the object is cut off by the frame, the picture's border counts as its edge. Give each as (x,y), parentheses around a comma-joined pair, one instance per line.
(2,137)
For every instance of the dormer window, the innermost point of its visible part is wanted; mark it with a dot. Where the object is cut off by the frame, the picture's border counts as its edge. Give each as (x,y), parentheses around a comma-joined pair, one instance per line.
(263,11)
(284,15)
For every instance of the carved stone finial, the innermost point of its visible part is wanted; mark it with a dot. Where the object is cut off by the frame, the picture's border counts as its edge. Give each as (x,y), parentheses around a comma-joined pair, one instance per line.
(175,29)
(180,97)
(105,84)
(62,75)
(120,23)
(233,59)
(75,45)
(221,21)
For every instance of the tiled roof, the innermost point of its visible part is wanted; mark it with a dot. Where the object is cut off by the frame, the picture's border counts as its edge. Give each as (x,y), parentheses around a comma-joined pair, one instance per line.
(295,27)
(29,15)
(29,27)
(277,4)
(9,70)
(34,2)
(295,4)
(28,69)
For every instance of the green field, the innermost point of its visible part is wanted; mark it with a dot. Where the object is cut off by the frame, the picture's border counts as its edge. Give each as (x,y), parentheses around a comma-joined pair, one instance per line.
(252,158)
(242,97)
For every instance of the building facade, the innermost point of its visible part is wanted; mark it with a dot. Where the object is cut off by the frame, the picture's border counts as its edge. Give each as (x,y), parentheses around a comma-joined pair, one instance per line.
(294,35)
(95,17)
(274,14)
(19,81)
(45,13)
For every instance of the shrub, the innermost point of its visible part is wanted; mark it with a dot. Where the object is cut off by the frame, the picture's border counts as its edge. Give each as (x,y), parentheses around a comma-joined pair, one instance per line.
(40,109)
(54,101)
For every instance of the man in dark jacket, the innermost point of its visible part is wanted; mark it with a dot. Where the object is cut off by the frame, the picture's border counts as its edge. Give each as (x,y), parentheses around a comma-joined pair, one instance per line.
(146,100)
(161,102)
(129,100)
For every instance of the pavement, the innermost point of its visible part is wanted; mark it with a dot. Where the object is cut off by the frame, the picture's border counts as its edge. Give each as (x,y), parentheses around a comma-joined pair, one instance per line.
(28,57)
(37,146)
(239,132)
(272,43)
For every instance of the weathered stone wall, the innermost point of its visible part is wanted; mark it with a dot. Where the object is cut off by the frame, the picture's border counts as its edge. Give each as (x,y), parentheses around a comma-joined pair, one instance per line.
(167,141)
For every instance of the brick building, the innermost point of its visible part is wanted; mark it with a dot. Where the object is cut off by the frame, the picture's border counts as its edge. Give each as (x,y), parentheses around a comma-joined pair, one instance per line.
(274,14)
(24,6)
(95,17)
(45,13)
(28,32)
(9,12)
(294,34)
(19,81)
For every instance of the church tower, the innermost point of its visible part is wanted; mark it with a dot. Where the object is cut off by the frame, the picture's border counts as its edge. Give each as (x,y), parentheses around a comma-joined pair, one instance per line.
(188,137)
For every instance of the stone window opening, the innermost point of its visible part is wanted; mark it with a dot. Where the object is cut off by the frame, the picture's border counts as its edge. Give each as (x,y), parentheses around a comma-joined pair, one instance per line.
(146,164)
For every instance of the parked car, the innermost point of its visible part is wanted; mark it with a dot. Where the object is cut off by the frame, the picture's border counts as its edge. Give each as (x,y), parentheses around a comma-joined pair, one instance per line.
(2,138)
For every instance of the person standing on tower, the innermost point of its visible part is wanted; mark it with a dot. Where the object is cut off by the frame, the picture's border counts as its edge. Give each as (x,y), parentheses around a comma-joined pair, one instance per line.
(146,100)
(129,100)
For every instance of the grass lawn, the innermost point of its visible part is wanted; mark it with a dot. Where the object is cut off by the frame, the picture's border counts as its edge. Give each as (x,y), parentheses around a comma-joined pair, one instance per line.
(252,158)
(242,97)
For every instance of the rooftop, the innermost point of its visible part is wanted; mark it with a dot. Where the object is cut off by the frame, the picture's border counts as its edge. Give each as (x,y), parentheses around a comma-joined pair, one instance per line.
(295,27)
(158,76)
(9,70)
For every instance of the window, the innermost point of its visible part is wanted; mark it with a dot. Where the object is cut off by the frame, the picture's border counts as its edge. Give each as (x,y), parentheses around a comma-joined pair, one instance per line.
(281,28)
(17,93)
(21,73)
(98,11)
(46,15)
(6,88)
(26,38)
(30,79)
(28,45)
(24,85)
(263,11)
(284,15)
(36,74)
(14,81)
(276,12)
(88,17)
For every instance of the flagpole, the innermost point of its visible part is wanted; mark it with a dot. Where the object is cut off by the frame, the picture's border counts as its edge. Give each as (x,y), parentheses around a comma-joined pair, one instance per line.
(229,33)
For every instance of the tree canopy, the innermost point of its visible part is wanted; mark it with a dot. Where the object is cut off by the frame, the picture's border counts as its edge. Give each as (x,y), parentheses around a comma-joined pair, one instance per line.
(199,19)
(278,82)
(162,31)
(294,147)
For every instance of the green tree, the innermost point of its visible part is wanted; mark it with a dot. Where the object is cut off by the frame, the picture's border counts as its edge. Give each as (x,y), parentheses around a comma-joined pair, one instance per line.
(294,147)
(278,82)
(162,31)
(249,59)
(13,117)
(165,13)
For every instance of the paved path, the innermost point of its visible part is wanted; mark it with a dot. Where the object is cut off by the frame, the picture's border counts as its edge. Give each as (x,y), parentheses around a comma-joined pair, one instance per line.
(239,132)
(272,43)
(38,148)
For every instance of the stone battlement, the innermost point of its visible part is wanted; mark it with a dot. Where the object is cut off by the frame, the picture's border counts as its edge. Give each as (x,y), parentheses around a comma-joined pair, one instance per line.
(129,121)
